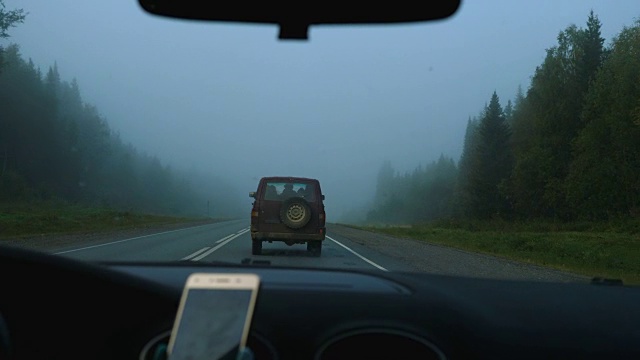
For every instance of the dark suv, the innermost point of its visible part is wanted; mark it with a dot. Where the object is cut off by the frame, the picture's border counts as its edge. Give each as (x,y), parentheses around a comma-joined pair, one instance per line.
(288,209)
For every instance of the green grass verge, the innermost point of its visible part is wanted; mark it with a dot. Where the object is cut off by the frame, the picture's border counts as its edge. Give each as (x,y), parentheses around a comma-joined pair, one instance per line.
(27,219)
(612,254)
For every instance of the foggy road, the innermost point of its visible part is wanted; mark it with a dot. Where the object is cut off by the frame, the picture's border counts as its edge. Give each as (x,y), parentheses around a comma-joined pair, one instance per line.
(231,242)
(479,122)
(344,248)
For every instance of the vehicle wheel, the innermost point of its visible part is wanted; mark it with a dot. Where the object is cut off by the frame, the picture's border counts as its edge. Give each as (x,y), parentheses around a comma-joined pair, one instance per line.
(295,212)
(315,247)
(256,247)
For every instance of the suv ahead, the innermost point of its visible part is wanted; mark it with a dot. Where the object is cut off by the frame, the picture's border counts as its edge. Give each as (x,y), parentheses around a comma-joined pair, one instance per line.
(288,209)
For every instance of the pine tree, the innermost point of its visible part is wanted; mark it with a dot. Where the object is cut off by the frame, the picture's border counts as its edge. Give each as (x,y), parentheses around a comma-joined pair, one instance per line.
(603,181)
(491,164)
(543,137)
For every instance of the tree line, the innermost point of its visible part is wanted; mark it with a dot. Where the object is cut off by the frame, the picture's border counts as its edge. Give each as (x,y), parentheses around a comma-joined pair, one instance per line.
(566,149)
(54,145)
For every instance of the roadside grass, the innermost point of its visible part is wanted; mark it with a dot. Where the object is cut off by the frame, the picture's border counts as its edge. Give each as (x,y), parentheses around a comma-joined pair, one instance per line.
(606,250)
(28,219)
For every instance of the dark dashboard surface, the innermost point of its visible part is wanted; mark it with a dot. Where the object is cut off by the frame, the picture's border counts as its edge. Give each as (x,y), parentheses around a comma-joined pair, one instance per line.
(271,278)
(60,308)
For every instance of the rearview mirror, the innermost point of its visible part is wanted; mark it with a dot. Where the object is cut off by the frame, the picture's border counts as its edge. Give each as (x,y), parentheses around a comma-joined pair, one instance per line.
(322,197)
(295,18)
(252,194)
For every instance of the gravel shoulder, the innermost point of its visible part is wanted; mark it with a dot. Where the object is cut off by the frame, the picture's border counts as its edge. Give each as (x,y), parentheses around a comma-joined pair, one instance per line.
(438,259)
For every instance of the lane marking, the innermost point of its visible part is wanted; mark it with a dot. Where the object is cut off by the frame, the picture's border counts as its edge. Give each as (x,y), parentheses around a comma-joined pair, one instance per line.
(133,238)
(230,235)
(356,254)
(195,253)
(224,238)
(210,251)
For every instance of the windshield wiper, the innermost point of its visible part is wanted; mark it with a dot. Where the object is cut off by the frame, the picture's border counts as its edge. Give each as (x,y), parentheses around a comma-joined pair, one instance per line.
(604,281)
(249,261)
(245,261)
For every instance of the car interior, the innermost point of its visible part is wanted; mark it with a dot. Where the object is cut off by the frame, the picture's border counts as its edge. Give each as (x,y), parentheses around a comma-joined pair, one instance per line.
(60,308)
(63,308)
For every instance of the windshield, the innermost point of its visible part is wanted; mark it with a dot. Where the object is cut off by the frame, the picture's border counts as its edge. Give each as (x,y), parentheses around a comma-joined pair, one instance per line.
(503,142)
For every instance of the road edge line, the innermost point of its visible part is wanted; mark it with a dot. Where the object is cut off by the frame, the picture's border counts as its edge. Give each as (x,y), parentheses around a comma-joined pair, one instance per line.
(125,240)
(356,254)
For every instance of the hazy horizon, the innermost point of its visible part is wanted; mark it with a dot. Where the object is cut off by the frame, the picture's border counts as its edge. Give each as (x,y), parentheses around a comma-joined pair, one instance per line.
(233,101)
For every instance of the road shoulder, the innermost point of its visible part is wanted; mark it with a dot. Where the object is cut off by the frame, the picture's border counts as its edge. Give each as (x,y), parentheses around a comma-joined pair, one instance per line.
(439,259)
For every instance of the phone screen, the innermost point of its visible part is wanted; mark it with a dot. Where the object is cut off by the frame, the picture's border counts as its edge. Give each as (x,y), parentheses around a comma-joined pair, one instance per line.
(211,324)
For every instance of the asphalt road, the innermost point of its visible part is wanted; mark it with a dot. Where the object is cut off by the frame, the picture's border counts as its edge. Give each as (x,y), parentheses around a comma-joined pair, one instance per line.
(344,248)
(230,241)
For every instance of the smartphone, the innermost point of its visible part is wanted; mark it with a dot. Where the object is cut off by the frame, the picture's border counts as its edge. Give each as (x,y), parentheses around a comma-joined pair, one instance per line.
(213,317)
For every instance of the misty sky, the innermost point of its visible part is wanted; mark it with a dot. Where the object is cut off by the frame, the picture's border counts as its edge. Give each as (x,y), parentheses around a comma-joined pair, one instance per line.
(234,101)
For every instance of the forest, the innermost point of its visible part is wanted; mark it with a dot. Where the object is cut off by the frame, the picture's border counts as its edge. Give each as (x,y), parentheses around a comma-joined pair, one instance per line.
(55,146)
(566,149)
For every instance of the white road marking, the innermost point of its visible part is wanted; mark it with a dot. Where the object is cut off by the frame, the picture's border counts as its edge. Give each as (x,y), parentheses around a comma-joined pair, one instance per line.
(230,235)
(224,238)
(121,241)
(210,251)
(358,255)
(195,253)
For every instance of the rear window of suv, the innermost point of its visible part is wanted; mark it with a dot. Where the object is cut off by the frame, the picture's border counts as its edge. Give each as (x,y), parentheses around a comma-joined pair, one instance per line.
(279,191)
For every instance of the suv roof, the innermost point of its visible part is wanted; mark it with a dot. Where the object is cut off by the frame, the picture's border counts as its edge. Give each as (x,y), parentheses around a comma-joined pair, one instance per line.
(289,178)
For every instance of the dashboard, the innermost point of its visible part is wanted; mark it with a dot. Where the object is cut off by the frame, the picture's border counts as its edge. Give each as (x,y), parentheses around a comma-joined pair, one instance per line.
(54,307)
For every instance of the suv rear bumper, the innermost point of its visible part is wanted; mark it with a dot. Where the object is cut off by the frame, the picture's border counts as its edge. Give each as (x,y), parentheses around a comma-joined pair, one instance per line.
(256,235)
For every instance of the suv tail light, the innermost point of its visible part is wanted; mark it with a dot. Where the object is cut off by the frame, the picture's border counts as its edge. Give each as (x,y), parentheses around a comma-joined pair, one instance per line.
(255,214)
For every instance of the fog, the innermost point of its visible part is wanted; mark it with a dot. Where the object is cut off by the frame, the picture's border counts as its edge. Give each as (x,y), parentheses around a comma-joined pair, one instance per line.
(234,102)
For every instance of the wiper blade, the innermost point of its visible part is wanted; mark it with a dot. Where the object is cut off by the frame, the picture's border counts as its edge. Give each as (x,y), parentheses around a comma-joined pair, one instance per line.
(249,261)
(213,262)
(604,281)
(245,261)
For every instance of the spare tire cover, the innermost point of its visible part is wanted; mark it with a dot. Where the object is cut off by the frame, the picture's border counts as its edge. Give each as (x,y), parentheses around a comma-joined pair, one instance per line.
(295,212)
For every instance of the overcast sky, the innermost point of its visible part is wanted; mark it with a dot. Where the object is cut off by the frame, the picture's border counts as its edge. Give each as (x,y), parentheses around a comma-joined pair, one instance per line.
(235,101)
